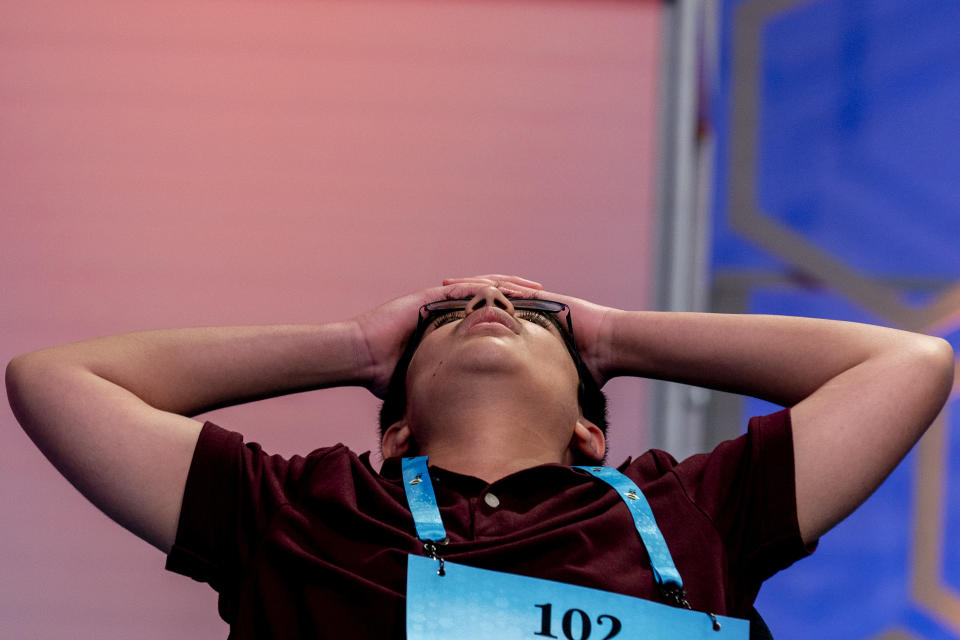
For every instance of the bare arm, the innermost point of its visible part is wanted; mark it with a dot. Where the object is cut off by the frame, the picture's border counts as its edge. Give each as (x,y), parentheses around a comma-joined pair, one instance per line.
(110,413)
(861,395)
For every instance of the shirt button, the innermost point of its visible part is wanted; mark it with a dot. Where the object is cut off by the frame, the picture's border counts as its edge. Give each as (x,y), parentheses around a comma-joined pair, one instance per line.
(491,500)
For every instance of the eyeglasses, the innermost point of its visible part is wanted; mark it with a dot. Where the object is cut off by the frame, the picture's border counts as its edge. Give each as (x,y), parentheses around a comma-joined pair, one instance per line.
(438,313)
(448,310)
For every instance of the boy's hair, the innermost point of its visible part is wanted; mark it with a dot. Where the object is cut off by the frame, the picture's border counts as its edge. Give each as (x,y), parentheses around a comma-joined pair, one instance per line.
(593,403)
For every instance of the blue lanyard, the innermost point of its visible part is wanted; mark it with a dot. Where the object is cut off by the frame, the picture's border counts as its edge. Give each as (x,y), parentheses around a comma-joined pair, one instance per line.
(664,571)
(430,530)
(422,500)
(423,506)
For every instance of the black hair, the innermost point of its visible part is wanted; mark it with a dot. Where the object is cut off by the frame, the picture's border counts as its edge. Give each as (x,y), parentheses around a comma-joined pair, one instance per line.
(593,403)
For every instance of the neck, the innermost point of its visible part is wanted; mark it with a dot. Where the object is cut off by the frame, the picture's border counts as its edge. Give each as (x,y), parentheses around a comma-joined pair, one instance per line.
(492,439)
(482,459)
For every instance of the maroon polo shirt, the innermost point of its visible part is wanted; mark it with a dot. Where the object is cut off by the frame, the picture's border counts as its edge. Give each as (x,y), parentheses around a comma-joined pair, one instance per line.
(316,546)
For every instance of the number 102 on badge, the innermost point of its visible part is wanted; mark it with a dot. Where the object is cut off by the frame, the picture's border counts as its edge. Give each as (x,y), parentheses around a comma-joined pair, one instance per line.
(479,604)
(575,623)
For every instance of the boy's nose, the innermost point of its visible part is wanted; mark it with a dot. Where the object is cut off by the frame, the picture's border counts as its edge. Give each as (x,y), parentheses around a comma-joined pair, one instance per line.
(492,296)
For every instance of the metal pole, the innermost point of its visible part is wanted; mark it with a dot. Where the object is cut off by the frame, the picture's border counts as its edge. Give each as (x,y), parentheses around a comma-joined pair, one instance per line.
(678,411)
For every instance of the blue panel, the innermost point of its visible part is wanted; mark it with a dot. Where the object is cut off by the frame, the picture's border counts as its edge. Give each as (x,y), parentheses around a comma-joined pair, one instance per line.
(728,248)
(857,557)
(860,108)
(951,533)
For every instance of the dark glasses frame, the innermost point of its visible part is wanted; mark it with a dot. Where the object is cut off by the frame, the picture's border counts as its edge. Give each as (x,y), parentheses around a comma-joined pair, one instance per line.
(558,313)
(590,396)
(431,311)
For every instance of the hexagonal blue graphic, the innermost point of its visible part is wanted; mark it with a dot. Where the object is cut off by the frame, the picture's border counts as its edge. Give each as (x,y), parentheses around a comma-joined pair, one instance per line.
(860,110)
(813,598)
(951,489)
(858,102)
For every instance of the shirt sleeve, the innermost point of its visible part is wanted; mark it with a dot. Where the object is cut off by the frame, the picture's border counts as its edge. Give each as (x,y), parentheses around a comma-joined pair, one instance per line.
(747,489)
(233,490)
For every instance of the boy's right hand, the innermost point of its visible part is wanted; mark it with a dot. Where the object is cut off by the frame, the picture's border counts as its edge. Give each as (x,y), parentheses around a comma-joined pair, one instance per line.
(385,330)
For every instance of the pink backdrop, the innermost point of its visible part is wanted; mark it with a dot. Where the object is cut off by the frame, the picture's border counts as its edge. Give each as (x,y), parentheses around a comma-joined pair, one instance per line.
(193,163)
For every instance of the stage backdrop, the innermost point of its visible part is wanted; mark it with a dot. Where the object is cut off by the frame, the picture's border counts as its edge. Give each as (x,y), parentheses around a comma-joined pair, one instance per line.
(202,163)
(837,197)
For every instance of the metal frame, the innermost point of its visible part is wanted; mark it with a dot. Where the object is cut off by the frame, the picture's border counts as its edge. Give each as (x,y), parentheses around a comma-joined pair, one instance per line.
(677,412)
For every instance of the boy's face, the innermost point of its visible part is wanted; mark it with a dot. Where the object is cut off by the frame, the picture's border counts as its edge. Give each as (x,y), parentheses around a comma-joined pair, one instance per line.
(474,363)
(497,313)
(520,349)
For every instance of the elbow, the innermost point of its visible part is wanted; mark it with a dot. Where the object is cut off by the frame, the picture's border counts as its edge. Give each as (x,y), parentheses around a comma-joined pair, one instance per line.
(941,355)
(16,373)
(18,376)
(28,381)
(937,360)
(24,367)
(948,358)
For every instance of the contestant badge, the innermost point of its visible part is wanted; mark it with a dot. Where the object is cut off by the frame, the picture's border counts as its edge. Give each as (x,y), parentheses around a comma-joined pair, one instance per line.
(447,600)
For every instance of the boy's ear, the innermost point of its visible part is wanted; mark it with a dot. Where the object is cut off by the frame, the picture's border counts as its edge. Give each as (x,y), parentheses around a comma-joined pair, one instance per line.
(588,440)
(397,440)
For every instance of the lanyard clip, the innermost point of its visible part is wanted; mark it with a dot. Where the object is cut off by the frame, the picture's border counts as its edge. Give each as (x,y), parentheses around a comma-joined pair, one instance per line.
(430,550)
(677,596)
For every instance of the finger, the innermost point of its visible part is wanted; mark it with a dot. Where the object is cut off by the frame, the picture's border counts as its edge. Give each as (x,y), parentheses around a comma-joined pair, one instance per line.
(500,278)
(472,287)
(497,279)
(472,280)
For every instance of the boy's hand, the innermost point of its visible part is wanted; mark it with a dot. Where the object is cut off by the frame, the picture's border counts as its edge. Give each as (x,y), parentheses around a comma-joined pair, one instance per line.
(592,323)
(384,331)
